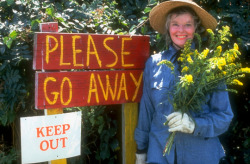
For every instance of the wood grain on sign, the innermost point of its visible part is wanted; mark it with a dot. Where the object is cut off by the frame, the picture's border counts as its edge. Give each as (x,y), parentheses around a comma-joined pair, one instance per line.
(87,88)
(58,51)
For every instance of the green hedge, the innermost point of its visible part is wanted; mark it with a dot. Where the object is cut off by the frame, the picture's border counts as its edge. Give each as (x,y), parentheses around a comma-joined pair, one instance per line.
(21,18)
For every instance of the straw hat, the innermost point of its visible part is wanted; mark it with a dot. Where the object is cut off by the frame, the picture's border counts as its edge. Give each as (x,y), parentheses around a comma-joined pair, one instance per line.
(157,16)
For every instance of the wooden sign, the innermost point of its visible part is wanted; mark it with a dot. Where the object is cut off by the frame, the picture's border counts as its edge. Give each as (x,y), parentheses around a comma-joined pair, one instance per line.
(113,74)
(57,51)
(86,88)
(120,60)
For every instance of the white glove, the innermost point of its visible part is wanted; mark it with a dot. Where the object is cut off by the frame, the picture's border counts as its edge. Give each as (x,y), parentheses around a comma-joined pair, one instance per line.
(180,122)
(140,158)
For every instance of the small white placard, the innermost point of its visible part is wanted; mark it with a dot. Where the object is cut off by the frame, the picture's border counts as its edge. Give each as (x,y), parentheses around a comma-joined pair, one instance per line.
(52,137)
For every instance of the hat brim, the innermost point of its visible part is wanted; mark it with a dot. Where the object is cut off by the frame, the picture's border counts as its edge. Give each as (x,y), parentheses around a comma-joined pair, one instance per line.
(157,15)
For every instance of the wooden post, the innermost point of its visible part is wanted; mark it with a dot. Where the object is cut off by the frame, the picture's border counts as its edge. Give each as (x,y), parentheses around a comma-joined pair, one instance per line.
(129,122)
(52,27)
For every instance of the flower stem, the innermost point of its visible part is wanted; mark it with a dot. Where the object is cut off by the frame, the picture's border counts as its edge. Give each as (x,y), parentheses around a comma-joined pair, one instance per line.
(224,78)
(169,143)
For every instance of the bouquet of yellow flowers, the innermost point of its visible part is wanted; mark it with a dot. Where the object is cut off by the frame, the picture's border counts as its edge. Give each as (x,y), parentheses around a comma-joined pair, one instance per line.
(203,72)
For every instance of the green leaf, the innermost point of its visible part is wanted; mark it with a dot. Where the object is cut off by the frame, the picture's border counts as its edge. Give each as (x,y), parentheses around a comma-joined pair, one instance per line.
(153,2)
(50,11)
(13,35)
(105,153)
(92,120)
(114,145)
(100,128)
(35,23)
(132,30)
(147,10)
(10,2)
(60,19)
(8,41)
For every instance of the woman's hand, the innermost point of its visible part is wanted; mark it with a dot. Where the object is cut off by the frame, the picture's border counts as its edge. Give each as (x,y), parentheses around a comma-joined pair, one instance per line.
(180,122)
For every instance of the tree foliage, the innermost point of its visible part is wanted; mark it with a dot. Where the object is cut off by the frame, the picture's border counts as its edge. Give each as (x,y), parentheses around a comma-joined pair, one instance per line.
(21,18)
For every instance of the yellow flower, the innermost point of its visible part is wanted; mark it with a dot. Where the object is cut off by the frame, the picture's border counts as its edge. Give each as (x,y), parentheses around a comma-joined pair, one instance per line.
(196,52)
(189,59)
(189,78)
(224,72)
(218,62)
(232,64)
(204,54)
(186,80)
(237,82)
(236,47)
(219,48)
(230,58)
(167,63)
(185,69)
(247,70)
(210,31)
(221,62)
(181,59)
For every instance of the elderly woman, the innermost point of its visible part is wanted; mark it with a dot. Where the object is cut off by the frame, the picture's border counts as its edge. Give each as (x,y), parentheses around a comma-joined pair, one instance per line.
(197,139)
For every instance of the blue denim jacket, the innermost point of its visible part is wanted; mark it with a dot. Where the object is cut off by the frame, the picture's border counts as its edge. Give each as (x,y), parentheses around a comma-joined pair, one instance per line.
(201,147)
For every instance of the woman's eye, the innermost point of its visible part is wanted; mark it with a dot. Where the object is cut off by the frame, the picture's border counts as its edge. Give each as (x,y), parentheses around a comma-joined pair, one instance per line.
(188,25)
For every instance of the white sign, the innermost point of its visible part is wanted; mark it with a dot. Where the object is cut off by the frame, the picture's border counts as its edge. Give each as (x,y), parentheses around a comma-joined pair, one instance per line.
(46,138)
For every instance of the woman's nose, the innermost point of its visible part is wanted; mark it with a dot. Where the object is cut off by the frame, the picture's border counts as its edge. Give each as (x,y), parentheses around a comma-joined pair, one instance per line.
(181,28)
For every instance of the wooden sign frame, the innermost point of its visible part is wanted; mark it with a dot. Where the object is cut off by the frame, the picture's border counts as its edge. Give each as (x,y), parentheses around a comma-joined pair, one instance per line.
(111,69)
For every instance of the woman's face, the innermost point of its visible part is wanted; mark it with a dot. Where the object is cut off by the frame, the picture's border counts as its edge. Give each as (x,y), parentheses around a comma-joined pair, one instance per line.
(181,29)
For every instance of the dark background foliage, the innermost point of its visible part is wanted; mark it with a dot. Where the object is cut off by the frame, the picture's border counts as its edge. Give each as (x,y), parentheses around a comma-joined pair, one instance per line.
(21,18)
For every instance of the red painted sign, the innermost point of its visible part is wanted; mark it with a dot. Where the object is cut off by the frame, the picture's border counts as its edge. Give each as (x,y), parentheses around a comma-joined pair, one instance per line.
(58,51)
(86,88)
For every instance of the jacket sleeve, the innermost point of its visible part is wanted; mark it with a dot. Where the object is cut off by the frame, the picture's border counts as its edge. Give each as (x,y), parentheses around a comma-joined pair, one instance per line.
(146,110)
(217,118)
